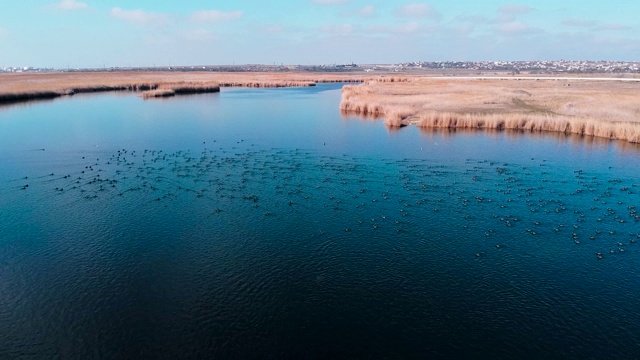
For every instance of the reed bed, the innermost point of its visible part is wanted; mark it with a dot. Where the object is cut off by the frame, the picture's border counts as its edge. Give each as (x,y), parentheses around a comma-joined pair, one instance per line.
(268,84)
(584,107)
(158,93)
(30,86)
(173,89)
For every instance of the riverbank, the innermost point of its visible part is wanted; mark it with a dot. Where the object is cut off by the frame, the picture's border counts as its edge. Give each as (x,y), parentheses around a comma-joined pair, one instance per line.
(607,108)
(595,106)
(32,86)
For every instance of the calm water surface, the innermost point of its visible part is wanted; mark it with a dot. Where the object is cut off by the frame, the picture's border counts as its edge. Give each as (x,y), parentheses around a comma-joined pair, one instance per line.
(263,224)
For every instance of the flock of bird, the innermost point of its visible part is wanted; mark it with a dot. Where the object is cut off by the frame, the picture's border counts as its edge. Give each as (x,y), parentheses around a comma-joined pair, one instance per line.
(489,201)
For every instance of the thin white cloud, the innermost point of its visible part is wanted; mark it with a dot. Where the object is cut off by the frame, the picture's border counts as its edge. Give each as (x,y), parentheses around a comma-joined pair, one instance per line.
(213,16)
(513,27)
(463,30)
(417,10)
(271,29)
(578,22)
(3,33)
(473,19)
(594,25)
(515,9)
(199,34)
(337,29)
(70,5)
(410,28)
(517,28)
(329,2)
(367,11)
(614,27)
(509,13)
(402,29)
(139,17)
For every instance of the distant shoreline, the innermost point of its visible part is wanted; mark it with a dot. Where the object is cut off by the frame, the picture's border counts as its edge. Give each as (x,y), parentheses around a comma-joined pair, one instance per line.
(599,106)
(596,105)
(22,87)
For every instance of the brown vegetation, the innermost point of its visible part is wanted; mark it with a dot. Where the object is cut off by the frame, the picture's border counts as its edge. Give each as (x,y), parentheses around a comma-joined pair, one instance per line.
(172,89)
(29,86)
(158,93)
(608,109)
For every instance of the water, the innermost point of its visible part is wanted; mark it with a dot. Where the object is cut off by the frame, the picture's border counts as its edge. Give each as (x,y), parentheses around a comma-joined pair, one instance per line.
(262,223)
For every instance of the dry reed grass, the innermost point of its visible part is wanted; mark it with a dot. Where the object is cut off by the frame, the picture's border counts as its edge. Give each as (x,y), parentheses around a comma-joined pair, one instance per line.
(594,108)
(158,93)
(183,88)
(28,86)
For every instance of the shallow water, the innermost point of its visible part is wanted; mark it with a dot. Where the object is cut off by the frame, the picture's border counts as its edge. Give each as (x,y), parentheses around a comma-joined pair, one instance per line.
(262,223)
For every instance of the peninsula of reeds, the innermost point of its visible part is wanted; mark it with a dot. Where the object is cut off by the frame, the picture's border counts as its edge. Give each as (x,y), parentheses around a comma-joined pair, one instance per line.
(608,109)
(16,87)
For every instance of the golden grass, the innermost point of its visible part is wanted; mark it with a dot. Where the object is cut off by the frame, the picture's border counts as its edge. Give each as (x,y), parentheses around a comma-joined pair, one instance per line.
(28,86)
(586,107)
(606,109)
(158,93)
(172,89)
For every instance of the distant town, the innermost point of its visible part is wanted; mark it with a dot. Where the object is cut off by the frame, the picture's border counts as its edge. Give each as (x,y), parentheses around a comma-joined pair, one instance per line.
(561,66)
(514,67)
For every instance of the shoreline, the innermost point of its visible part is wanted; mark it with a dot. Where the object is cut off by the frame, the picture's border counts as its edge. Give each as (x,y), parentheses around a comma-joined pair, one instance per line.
(604,107)
(16,88)
(600,107)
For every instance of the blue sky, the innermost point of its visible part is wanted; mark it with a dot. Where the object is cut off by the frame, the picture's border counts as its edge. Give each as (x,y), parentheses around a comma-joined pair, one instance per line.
(97,33)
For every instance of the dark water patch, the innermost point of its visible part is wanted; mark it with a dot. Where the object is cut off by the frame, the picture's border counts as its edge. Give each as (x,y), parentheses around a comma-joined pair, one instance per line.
(430,249)
(229,244)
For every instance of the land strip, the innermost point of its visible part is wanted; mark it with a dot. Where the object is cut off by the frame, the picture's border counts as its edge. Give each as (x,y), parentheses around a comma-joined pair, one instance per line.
(602,107)
(16,87)
(599,106)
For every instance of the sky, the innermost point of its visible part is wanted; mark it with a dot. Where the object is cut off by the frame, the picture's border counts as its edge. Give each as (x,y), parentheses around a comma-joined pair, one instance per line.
(107,33)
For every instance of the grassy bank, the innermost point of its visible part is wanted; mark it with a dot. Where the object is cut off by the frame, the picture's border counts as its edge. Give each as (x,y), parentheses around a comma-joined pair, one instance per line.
(31,86)
(608,109)
(168,90)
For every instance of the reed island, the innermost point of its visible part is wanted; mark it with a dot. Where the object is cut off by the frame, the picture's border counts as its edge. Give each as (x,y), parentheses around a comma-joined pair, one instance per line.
(607,107)
(602,107)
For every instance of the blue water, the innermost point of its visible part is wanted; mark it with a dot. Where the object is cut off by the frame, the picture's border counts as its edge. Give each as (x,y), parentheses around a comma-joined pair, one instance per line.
(265,224)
